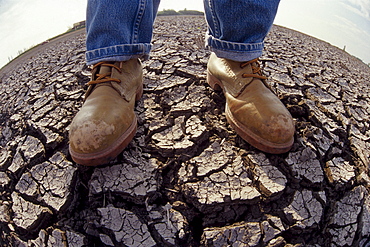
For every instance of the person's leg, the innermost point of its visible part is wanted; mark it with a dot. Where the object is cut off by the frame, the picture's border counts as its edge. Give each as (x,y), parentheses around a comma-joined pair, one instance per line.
(237,28)
(236,31)
(119,30)
(118,33)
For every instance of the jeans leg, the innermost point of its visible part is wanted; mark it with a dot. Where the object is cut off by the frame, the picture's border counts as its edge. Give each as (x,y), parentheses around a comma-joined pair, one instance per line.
(119,30)
(237,28)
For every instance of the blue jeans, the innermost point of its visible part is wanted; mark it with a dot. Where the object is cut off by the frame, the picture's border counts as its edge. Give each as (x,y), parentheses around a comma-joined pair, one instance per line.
(119,30)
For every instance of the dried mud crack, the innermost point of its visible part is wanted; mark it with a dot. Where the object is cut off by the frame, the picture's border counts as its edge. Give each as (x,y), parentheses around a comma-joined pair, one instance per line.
(187,179)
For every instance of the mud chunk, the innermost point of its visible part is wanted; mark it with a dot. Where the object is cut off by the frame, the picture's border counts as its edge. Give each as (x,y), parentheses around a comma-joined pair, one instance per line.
(4,179)
(49,182)
(181,137)
(227,178)
(169,223)
(134,178)
(306,165)
(305,210)
(26,214)
(126,227)
(339,170)
(271,181)
(248,234)
(347,210)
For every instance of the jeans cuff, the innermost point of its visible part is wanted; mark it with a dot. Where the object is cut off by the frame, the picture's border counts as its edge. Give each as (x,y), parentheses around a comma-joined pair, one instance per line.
(118,53)
(240,52)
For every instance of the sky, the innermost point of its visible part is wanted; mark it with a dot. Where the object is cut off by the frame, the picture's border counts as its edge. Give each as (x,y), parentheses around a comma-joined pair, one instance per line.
(343,23)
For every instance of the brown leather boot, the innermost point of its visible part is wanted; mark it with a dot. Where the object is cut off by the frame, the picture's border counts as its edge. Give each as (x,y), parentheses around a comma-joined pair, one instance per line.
(106,123)
(252,109)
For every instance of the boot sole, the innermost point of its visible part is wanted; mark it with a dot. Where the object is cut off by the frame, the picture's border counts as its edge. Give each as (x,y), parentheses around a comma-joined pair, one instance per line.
(106,155)
(243,131)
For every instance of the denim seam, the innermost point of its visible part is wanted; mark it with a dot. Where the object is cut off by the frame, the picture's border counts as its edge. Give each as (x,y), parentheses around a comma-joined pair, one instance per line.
(233,46)
(214,18)
(235,51)
(118,51)
(136,27)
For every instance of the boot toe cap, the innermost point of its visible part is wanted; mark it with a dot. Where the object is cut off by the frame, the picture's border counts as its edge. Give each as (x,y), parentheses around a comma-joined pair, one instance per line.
(91,136)
(271,134)
(279,129)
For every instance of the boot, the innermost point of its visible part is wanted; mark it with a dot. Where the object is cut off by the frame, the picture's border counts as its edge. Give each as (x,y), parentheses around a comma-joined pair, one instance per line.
(106,123)
(252,109)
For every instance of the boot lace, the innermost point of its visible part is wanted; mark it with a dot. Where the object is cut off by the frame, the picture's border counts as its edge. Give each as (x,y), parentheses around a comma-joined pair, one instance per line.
(106,76)
(256,69)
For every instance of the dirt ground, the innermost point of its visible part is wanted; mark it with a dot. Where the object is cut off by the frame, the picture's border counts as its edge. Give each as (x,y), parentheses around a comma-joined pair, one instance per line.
(187,179)
(34,51)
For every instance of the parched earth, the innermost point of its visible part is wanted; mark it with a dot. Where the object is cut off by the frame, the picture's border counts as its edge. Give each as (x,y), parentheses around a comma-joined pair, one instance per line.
(187,179)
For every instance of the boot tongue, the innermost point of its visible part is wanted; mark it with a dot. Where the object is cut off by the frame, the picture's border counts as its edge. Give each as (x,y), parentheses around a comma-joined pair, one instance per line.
(118,87)
(104,69)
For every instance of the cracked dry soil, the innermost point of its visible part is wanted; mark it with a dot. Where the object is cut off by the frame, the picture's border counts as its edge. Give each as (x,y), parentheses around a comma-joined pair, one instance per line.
(187,179)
